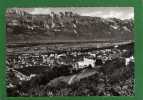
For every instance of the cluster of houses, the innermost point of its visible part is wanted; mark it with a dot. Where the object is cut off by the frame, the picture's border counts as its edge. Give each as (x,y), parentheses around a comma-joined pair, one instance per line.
(76,59)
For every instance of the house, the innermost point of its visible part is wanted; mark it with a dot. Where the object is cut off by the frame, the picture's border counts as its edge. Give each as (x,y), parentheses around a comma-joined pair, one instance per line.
(128,60)
(85,63)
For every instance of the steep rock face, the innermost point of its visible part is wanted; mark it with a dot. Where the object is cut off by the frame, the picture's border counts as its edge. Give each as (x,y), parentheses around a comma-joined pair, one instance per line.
(63,26)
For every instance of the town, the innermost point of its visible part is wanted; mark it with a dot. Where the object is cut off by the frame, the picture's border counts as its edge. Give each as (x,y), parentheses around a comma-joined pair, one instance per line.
(65,53)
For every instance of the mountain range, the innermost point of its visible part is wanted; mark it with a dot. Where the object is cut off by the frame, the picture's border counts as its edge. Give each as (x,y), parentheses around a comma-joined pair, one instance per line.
(65,26)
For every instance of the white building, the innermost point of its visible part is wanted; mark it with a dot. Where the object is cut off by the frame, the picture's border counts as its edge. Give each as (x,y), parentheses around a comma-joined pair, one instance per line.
(85,63)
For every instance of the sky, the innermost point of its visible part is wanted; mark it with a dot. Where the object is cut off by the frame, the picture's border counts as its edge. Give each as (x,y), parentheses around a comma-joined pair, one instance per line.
(104,12)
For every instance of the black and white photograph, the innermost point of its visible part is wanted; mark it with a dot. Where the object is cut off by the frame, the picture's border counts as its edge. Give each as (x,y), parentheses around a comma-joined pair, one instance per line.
(70,51)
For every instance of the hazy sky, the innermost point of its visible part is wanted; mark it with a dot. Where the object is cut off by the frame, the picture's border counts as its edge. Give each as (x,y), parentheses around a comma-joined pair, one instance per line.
(105,12)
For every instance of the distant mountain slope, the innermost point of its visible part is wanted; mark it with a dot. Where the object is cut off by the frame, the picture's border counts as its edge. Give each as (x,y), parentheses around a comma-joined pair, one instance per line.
(23,27)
